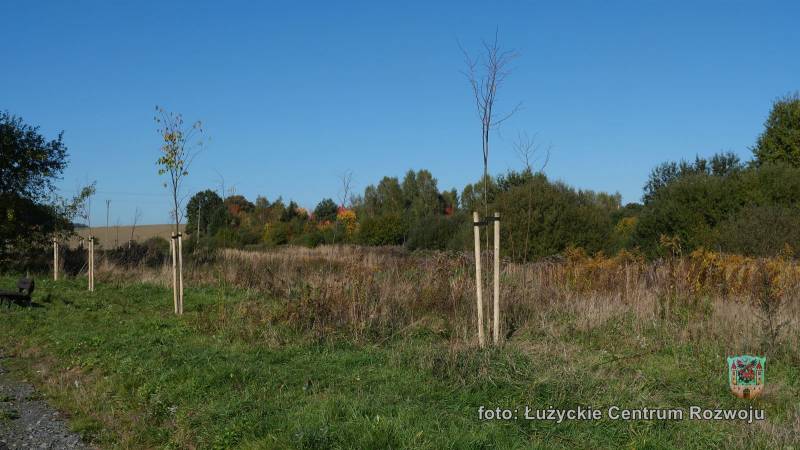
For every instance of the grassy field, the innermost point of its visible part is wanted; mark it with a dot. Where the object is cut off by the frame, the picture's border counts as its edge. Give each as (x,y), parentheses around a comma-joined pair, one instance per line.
(251,367)
(109,236)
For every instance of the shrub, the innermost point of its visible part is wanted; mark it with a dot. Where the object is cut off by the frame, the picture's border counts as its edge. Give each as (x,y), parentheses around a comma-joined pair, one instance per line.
(760,230)
(385,229)
(276,233)
(753,211)
(540,218)
(438,233)
(152,253)
(309,239)
(346,223)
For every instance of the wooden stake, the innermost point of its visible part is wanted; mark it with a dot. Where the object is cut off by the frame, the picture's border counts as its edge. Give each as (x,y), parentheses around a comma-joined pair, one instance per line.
(496,320)
(174,274)
(91,264)
(55,259)
(180,274)
(478,282)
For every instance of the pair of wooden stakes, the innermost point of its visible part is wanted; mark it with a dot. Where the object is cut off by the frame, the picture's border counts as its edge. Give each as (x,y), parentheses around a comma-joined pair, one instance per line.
(477,223)
(90,273)
(176,243)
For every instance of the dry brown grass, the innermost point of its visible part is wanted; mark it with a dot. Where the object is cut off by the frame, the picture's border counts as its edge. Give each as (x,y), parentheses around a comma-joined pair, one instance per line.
(608,329)
(372,294)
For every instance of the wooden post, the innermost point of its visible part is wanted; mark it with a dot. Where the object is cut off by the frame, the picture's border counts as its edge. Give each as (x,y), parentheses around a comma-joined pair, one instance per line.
(496,320)
(180,274)
(174,273)
(91,263)
(478,282)
(55,259)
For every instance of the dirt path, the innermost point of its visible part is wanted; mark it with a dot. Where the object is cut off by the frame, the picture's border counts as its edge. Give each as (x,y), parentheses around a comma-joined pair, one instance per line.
(29,422)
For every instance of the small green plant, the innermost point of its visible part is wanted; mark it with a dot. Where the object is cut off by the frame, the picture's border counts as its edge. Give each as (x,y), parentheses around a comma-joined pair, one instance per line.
(9,414)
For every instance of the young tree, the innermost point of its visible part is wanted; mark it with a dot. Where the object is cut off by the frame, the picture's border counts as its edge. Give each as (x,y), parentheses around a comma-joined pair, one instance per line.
(116,238)
(527,151)
(180,145)
(108,208)
(84,211)
(137,214)
(346,180)
(486,73)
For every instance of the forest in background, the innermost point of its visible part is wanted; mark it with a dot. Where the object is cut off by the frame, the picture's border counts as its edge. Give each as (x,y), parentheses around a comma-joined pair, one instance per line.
(717,203)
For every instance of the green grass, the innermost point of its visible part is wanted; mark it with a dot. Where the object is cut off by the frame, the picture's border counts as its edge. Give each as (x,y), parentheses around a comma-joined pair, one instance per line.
(132,375)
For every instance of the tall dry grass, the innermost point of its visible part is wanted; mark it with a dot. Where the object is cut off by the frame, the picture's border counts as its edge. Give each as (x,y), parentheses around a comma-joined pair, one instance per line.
(370,294)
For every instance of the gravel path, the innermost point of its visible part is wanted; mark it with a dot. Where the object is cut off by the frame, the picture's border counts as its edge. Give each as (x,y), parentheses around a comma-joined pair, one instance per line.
(28,422)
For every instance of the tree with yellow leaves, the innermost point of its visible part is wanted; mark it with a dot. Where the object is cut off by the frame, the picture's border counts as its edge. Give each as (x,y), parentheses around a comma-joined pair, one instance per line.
(181,143)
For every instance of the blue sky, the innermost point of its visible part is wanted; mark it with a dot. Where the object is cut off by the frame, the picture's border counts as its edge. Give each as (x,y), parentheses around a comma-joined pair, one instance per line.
(292,94)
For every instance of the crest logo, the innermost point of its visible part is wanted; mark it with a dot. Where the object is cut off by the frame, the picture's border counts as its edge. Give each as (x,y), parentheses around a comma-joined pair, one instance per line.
(746,375)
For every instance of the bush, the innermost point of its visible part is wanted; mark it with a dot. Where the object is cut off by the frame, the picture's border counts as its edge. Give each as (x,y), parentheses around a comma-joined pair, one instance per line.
(540,218)
(753,211)
(276,233)
(438,233)
(309,239)
(385,229)
(152,253)
(760,230)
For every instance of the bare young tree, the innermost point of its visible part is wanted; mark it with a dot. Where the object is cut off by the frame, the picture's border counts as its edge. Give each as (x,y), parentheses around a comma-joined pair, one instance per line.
(181,143)
(486,73)
(346,180)
(108,207)
(137,214)
(116,229)
(221,184)
(529,152)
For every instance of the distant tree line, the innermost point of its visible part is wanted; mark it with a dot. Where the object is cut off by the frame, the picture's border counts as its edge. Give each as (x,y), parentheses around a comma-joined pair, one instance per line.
(718,202)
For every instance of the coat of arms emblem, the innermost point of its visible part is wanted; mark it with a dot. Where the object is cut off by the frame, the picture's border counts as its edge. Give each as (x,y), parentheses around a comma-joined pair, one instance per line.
(746,375)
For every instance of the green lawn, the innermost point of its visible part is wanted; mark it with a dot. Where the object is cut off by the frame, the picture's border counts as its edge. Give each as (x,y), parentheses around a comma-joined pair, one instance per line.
(229,373)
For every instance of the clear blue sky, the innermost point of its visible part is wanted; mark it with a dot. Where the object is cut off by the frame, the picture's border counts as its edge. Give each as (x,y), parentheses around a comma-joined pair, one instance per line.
(294,93)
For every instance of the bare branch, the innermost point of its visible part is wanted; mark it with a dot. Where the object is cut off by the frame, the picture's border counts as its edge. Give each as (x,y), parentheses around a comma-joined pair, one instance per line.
(486,73)
(346,179)
(137,214)
(529,152)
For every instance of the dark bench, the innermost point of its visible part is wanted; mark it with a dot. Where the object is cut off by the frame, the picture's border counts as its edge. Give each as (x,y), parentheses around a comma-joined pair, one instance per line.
(25,287)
